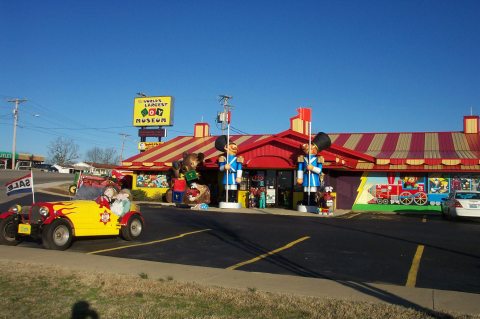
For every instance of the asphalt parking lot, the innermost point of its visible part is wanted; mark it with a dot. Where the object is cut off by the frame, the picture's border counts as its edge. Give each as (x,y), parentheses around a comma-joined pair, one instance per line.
(409,249)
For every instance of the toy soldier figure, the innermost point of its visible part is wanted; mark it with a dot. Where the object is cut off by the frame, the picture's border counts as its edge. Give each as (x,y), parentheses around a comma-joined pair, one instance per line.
(310,167)
(231,165)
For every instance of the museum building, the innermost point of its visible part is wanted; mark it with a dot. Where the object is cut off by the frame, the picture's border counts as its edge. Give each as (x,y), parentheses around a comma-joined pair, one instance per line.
(368,171)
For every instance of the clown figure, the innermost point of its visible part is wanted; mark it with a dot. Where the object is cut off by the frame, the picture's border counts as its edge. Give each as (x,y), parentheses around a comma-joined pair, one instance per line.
(107,197)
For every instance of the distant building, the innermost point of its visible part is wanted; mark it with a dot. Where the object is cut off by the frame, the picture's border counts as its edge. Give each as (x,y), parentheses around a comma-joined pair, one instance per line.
(22,160)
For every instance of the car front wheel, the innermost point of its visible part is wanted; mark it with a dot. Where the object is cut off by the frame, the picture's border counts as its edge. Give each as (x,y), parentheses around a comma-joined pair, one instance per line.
(8,232)
(133,229)
(58,235)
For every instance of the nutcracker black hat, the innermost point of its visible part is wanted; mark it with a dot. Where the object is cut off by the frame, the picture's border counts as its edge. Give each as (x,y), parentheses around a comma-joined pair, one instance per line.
(221,142)
(321,141)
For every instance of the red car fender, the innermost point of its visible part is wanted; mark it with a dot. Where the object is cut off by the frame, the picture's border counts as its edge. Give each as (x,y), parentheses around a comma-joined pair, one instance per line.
(6,214)
(126,217)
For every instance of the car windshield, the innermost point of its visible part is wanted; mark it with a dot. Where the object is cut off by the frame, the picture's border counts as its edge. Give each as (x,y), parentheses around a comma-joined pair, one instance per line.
(467,195)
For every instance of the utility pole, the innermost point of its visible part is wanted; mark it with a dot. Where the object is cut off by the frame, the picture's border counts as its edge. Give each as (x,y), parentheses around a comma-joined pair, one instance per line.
(224,117)
(123,145)
(17,101)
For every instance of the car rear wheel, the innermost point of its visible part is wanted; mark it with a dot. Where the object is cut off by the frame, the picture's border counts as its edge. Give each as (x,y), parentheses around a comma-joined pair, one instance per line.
(8,232)
(58,235)
(133,229)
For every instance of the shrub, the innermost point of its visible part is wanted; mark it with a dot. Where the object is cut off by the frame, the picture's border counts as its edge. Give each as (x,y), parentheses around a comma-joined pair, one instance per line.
(139,194)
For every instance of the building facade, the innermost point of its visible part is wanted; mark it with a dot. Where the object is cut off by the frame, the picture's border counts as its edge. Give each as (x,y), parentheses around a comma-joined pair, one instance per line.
(368,171)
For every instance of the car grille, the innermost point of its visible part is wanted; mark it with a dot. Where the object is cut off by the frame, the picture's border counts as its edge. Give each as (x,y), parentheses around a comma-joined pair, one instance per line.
(35,217)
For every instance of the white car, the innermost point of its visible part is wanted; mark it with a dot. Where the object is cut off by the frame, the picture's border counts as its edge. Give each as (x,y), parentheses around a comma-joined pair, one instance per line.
(461,204)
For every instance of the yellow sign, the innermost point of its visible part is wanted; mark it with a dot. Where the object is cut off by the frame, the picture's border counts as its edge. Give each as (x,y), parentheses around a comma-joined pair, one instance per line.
(144,146)
(153,111)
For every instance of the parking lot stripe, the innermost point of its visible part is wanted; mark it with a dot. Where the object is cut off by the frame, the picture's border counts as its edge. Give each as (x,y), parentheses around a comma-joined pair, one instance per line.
(353,215)
(150,242)
(289,245)
(412,274)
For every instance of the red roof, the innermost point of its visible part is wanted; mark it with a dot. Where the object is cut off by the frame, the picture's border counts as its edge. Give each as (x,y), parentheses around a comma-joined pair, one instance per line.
(420,151)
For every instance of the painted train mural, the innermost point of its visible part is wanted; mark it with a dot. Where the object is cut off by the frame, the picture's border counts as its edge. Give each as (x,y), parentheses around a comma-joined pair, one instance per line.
(411,190)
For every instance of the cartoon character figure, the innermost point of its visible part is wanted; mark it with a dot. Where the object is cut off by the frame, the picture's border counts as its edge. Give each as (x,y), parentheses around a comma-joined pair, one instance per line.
(261,198)
(435,185)
(310,167)
(122,204)
(107,197)
(231,165)
(328,198)
(187,181)
(252,194)
(456,184)
(410,182)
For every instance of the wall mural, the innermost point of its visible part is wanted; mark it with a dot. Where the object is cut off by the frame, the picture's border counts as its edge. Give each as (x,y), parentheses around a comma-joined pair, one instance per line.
(152,180)
(411,189)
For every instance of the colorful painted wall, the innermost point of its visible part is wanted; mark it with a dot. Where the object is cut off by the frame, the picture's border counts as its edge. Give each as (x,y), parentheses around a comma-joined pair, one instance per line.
(153,183)
(402,192)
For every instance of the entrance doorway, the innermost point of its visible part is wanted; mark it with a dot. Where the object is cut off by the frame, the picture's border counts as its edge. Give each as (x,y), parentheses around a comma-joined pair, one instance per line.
(284,188)
(277,185)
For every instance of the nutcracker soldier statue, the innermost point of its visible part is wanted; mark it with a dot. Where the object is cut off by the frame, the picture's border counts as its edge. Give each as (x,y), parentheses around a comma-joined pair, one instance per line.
(231,165)
(309,170)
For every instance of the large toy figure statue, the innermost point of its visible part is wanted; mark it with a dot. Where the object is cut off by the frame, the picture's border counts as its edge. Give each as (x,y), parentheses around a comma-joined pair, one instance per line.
(186,186)
(231,165)
(310,168)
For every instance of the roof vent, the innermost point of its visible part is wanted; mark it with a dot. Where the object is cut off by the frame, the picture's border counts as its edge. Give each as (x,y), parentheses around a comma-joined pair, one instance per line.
(470,124)
(201,130)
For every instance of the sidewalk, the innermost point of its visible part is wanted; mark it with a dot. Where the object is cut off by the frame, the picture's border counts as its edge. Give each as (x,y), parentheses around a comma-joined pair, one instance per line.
(419,298)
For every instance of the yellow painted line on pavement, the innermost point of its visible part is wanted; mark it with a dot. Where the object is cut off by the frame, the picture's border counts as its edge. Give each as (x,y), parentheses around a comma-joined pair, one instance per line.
(289,245)
(150,242)
(412,274)
(353,215)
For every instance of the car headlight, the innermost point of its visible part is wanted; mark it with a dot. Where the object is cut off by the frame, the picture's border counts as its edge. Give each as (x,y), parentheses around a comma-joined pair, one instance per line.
(15,208)
(43,211)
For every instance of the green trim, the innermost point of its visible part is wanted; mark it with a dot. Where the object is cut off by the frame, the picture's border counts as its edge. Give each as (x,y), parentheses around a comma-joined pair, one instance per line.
(396,208)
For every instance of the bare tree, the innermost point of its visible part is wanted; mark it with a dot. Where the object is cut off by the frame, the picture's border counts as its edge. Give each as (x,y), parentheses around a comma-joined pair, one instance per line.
(102,156)
(62,151)
(95,155)
(110,156)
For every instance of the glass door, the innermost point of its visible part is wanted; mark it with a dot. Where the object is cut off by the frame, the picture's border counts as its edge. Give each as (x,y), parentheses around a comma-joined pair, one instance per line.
(285,189)
(271,188)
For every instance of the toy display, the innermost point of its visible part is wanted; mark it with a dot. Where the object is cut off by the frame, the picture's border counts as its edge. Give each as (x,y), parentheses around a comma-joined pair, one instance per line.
(107,197)
(186,186)
(121,205)
(310,168)
(231,165)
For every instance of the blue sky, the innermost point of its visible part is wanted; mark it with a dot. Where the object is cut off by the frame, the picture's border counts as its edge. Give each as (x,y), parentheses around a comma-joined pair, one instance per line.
(363,66)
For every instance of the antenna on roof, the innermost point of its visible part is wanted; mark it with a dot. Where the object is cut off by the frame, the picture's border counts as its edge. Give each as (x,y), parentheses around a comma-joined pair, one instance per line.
(471,110)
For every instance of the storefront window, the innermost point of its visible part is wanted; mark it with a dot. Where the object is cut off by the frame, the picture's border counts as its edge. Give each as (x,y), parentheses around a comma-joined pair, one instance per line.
(153,180)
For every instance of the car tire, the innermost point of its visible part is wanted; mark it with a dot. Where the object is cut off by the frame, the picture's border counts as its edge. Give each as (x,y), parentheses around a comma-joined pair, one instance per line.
(8,232)
(58,235)
(133,229)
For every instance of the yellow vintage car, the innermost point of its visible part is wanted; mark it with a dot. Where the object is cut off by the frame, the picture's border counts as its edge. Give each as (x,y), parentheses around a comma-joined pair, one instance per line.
(58,223)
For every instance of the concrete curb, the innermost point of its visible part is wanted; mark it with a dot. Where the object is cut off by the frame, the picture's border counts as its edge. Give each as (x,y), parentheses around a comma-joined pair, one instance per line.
(418,298)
